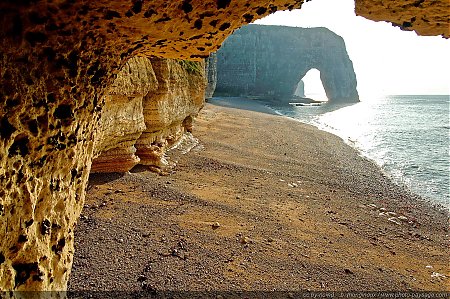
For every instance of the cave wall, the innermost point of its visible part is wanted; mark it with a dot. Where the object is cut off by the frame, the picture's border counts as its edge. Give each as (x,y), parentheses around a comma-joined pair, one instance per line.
(269,61)
(58,60)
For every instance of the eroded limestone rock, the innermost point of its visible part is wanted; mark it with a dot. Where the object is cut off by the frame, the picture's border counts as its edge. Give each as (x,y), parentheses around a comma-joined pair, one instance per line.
(122,120)
(57,61)
(168,111)
(422,16)
(172,92)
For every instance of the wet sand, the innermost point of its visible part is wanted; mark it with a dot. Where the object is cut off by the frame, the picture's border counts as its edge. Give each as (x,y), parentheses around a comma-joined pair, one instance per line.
(261,203)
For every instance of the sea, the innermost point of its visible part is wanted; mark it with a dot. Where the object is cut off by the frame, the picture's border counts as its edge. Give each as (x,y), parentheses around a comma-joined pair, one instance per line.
(408,136)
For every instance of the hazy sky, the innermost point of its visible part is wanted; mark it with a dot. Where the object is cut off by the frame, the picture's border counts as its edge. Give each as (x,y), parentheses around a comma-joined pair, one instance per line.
(386,59)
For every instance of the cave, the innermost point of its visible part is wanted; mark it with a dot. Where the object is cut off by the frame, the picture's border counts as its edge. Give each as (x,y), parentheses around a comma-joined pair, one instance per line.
(58,62)
(267,62)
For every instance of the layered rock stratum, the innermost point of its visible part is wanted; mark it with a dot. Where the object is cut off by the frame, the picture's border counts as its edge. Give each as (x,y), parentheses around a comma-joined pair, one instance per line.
(58,61)
(269,62)
(122,120)
(168,111)
(148,108)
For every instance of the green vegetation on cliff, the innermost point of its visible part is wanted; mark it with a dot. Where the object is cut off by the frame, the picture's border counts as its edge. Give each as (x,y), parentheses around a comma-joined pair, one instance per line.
(192,67)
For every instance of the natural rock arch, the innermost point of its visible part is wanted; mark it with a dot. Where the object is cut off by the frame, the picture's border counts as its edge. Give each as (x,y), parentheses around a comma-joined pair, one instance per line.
(57,60)
(269,61)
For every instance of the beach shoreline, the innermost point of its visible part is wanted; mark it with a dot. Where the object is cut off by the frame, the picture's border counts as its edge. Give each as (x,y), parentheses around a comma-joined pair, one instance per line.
(264,107)
(262,203)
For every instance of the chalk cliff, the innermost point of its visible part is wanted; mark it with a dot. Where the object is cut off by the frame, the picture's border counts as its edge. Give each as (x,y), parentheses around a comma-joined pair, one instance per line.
(211,74)
(59,60)
(269,62)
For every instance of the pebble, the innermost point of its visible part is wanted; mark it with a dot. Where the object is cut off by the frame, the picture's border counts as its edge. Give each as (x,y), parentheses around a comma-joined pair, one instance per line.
(348,271)
(394,220)
(403,218)
(437,275)
(120,240)
(245,240)
(429,267)
(382,209)
(372,206)
(215,225)
(391,213)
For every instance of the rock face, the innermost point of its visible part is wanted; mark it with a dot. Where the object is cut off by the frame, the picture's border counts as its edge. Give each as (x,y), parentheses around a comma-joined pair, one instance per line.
(300,89)
(423,17)
(168,111)
(122,120)
(149,106)
(211,75)
(269,62)
(58,61)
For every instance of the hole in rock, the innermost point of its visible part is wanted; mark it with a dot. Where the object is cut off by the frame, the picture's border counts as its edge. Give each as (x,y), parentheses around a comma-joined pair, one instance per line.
(20,146)
(6,129)
(25,271)
(311,86)
(63,112)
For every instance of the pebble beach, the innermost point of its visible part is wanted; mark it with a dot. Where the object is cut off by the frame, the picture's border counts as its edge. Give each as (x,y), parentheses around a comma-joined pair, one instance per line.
(260,203)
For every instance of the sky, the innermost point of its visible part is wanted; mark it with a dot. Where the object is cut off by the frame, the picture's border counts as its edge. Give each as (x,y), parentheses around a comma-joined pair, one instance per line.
(387,60)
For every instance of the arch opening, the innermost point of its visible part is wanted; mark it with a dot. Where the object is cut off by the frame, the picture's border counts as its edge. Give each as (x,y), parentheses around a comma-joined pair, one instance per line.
(313,87)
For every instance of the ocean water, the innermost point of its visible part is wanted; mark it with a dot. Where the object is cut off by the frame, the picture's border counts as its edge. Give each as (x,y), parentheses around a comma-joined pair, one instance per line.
(407,136)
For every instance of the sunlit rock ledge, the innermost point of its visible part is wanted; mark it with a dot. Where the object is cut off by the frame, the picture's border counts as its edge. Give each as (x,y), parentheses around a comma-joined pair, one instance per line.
(58,61)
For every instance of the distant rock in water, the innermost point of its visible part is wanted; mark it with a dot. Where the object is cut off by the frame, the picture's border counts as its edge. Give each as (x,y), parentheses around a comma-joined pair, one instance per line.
(269,61)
